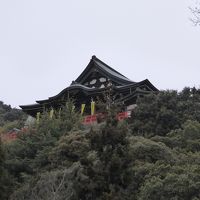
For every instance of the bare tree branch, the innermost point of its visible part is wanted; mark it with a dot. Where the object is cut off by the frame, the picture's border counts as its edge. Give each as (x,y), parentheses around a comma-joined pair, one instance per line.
(195,14)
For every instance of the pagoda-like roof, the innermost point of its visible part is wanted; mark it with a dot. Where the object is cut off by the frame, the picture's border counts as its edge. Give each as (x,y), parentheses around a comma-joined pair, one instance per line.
(92,81)
(100,66)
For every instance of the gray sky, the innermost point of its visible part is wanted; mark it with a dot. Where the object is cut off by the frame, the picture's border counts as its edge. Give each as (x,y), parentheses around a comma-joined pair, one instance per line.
(45,44)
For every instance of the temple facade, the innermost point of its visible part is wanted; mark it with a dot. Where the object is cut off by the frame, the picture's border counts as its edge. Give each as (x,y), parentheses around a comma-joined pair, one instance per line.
(92,85)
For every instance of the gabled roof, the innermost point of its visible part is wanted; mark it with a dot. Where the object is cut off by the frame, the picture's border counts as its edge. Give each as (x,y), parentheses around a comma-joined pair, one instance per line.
(104,69)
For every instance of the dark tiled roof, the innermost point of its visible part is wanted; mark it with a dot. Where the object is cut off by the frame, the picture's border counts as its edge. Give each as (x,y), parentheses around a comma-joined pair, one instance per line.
(109,71)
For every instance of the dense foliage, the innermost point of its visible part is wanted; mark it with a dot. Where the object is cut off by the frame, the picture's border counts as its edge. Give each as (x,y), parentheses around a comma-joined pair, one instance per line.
(169,110)
(10,117)
(153,155)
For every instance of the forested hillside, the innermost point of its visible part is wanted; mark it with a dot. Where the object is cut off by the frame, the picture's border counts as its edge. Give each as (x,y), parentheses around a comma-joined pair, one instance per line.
(153,155)
(10,117)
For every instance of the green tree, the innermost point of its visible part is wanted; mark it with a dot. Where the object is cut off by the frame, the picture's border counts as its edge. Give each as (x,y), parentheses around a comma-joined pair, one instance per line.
(154,155)
(8,114)
(6,182)
(106,168)
(180,186)
(28,154)
(158,114)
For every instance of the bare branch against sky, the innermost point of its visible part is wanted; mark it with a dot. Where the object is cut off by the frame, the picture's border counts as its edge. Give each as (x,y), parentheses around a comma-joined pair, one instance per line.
(45,44)
(195,10)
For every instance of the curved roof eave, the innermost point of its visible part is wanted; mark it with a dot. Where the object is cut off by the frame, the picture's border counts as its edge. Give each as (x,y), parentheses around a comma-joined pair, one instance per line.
(134,94)
(90,90)
(71,87)
(146,82)
(35,106)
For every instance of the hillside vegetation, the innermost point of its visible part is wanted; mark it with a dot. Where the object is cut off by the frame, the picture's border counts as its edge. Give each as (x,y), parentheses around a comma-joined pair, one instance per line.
(10,118)
(153,155)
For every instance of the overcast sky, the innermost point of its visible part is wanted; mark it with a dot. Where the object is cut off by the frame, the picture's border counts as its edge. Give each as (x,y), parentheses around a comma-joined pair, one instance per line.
(45,44)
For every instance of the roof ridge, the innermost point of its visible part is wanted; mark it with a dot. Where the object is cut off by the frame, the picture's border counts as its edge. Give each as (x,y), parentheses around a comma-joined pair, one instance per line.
(94,61)
(95,58)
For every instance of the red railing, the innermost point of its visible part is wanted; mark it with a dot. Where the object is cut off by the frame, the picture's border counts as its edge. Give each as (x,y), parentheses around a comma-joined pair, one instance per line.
(6,137)
(89,119)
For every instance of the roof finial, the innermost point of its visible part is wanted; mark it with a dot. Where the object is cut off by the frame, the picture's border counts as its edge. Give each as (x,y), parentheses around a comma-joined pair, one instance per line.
(93,57)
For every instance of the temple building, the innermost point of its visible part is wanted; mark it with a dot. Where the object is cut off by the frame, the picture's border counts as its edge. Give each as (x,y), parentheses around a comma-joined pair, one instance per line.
(91,85)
